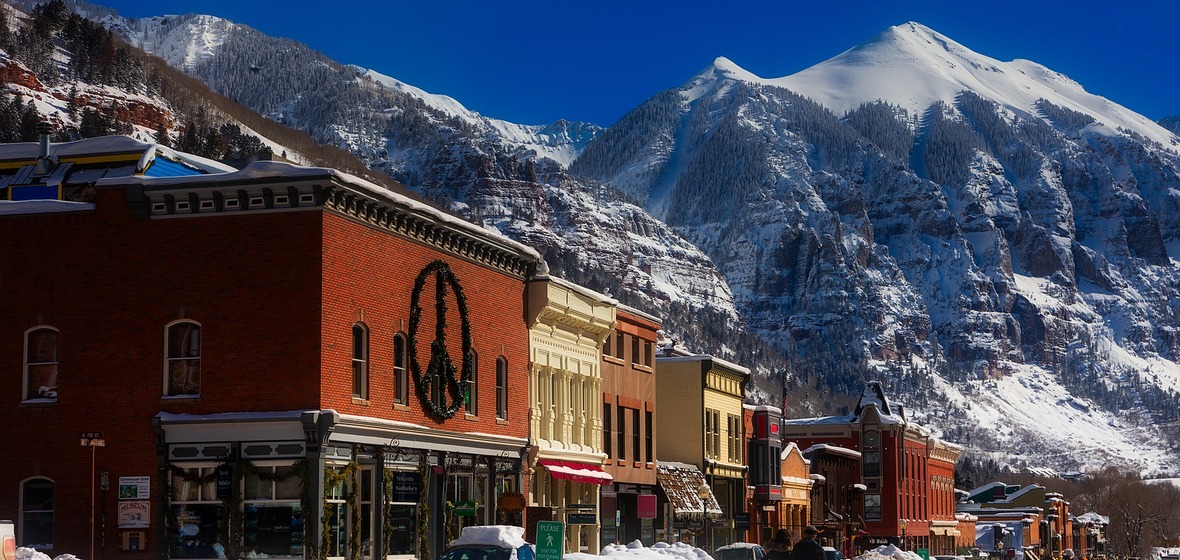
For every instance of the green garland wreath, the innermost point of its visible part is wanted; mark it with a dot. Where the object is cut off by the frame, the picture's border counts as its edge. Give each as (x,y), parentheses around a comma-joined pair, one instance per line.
(440,366)
(423,512)
(333,478)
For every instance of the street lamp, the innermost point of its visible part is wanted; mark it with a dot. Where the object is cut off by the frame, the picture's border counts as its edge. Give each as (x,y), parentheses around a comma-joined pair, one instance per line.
(903,546)
(704,493)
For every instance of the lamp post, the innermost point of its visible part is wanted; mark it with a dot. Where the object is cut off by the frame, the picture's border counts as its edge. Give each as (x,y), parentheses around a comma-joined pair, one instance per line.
(704,493)
(903,546)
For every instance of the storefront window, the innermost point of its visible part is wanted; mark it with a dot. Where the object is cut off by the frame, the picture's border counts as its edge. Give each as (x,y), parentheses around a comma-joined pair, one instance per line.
(272,516)
(199,516)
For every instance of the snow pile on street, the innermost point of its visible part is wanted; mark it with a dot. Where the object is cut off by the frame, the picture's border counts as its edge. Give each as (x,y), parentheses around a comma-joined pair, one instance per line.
(25,553)
(636,551)
(888,552)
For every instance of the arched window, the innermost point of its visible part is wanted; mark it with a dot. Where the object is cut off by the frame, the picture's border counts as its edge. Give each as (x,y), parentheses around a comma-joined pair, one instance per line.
(502,388)
(182,370)
(360,361)
(36,514)
(471,392)
(400,367)
(41,363)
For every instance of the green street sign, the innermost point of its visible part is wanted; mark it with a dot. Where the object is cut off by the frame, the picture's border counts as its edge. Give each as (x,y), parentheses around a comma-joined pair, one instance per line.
(924,553)
(465,509)
(550,540)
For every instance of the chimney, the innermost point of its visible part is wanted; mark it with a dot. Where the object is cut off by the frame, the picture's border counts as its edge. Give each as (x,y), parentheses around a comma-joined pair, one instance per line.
(45,162)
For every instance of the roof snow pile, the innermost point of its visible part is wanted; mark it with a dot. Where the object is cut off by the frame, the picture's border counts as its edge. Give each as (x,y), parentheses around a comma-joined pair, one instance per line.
(506,536)
(888,552)
(636,551)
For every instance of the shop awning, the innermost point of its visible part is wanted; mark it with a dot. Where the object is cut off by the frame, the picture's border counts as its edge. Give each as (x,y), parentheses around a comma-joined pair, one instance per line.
(681,483)
(577,472)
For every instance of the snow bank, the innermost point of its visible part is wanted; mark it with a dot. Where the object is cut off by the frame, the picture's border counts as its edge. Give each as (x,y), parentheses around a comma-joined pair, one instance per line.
(888,552)
(636,551)
(25,553)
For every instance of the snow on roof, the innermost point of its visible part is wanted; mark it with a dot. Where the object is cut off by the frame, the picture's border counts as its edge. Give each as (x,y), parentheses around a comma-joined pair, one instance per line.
(835,449)
(596,296)
(702,357)
(506,536)
(739,546)
(9,207)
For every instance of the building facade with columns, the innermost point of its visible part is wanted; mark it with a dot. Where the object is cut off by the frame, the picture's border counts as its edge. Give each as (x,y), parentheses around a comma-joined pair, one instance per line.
(567,326)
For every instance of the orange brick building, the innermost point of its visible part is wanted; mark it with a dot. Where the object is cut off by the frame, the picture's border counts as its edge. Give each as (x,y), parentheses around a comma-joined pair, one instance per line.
(281,361)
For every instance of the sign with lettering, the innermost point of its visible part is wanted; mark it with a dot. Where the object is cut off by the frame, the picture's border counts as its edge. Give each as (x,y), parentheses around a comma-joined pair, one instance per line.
(581,518)
(465,509)
(645,505)
(407,486)
(550,540)
(134,514)
(135,487)
(510,502)
(225,481)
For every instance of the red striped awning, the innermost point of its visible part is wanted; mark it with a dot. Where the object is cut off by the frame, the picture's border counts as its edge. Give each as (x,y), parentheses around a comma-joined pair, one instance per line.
(577,472)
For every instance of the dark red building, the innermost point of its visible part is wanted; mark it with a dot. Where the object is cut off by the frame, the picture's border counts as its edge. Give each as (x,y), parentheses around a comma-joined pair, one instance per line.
(907,474)
(281,361)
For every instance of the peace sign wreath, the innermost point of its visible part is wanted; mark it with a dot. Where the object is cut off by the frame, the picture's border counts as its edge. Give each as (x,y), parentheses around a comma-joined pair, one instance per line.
(440,368)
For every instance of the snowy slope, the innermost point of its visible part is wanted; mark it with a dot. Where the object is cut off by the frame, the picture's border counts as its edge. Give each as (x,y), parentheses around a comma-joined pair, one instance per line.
(561,141)
(182,40)
(913,66)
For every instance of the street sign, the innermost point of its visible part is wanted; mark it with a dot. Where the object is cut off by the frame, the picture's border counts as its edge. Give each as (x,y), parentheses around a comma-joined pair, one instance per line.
(92,439)
(550,540)
(575,518)
(465,509)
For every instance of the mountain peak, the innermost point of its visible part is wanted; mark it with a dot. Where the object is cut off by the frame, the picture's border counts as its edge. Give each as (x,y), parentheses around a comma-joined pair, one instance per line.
(718,75)
(913,66)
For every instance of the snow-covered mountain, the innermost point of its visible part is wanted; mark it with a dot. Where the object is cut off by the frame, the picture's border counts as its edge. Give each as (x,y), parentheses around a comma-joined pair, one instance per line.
(909,203)
(985,236)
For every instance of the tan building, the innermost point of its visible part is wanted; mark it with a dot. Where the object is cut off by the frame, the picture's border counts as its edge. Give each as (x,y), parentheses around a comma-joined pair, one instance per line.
(702,423)
(628,428)
(794,510)
(567,326)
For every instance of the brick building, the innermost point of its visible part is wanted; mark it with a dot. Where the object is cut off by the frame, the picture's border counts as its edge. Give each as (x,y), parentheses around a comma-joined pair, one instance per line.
(279,361)
(629,428)
(904,469)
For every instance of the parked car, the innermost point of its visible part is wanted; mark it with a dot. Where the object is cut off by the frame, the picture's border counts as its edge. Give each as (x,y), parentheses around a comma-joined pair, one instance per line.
(489,542)
(740,551)
(832,554)
(7,540)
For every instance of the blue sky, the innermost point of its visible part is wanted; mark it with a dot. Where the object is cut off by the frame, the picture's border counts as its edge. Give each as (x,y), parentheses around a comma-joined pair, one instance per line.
(534,62)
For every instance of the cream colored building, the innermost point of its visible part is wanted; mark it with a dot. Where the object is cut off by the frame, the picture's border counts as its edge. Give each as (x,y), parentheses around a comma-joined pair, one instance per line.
(567,326)
(701,423)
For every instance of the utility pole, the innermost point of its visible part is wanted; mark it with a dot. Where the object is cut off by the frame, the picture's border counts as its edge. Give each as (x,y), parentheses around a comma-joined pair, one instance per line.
(93,440)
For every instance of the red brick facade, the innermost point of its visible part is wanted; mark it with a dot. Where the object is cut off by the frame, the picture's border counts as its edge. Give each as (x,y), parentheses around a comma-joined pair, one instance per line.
(276,294)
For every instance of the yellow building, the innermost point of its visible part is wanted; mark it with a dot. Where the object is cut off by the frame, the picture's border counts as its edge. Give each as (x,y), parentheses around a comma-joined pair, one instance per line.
(567,325)
(701,423)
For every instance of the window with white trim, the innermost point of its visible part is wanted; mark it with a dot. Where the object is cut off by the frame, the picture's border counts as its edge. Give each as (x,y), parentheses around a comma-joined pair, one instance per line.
(502,388)
(400,361)
(471,394)
(41,363)
(360,361)
(183,367)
